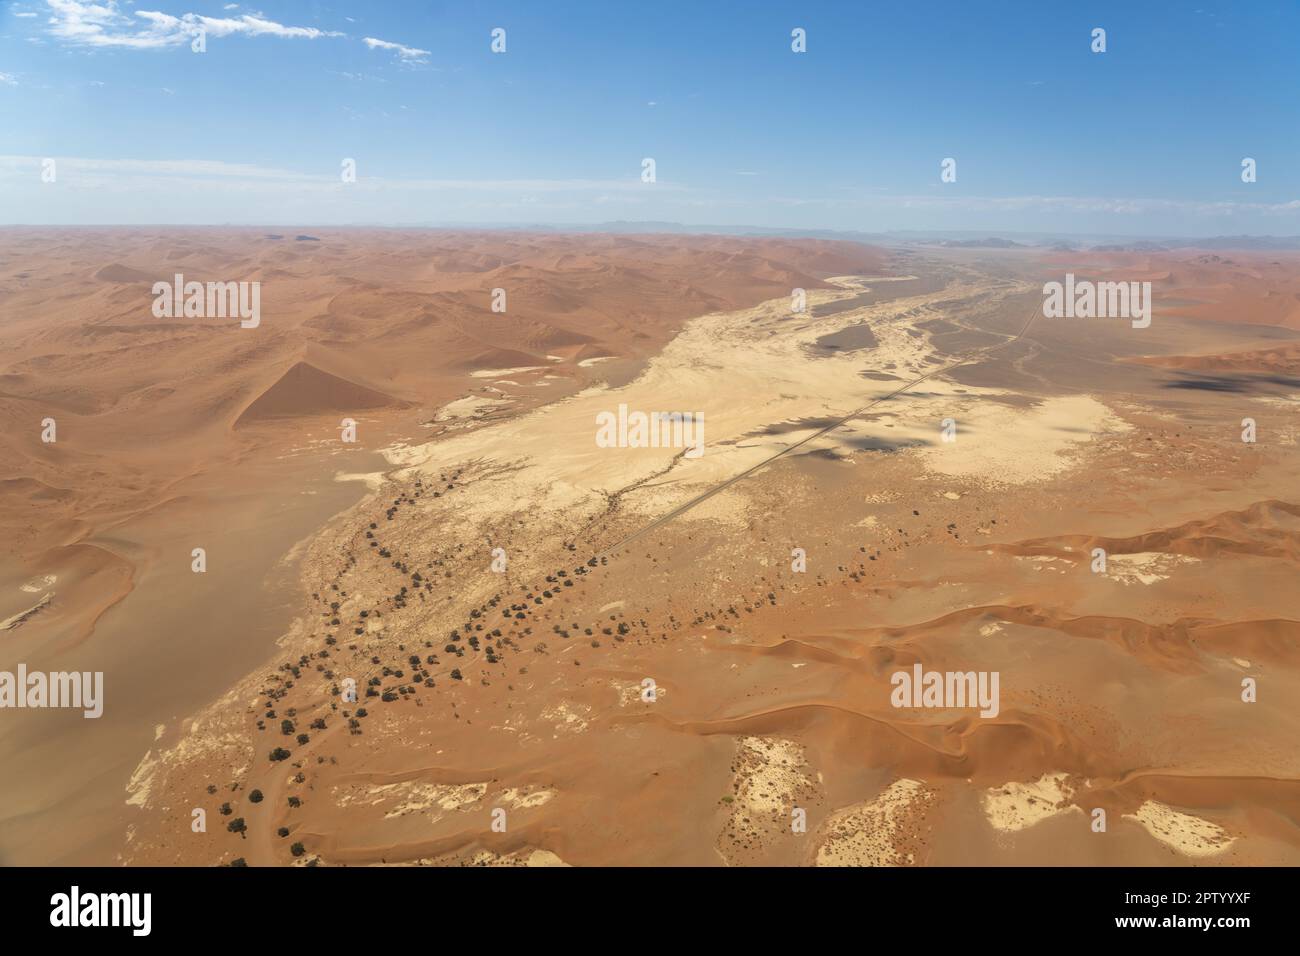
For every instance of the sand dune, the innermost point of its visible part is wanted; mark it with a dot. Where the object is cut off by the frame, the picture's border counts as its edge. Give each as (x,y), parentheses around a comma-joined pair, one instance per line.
(306,390)
(1283,359)
(1266,528)
(1252,288)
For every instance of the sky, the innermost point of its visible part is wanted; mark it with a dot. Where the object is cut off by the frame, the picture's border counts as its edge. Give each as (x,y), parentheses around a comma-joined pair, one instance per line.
(1146,138)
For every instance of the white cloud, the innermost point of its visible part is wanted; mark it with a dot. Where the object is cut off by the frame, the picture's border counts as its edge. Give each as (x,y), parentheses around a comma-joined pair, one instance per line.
(257,26)
(104,24)
(409,53)
(8,79)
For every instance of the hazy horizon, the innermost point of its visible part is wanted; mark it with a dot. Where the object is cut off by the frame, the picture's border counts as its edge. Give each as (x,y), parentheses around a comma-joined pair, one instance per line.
(1026,239)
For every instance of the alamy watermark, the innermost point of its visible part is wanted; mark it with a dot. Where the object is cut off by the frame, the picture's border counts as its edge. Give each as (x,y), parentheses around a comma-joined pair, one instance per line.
(1101,300)
(651,430)
(77,689)
(212,300)
(946,689)
(76,908)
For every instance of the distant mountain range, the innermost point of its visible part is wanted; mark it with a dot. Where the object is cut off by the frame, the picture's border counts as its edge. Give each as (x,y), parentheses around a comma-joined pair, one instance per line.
(955,239)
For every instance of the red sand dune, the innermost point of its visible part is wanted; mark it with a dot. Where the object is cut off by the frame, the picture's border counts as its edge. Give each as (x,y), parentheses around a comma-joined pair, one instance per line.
(306,390)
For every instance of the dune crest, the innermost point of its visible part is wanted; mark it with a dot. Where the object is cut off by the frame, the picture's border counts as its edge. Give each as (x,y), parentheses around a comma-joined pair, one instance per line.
(305,389)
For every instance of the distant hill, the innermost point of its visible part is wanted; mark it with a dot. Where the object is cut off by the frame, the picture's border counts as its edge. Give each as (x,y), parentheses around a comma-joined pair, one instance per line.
(990,243)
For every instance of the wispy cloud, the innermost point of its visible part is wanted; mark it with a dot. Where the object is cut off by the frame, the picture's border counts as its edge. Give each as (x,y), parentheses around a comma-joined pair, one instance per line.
(121,191)
(409,53)
(8,79)
(104,24)
(148,173)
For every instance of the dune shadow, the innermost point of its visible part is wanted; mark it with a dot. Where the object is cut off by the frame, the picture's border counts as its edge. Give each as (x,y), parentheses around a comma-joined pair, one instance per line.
(1233,384)
(855,338)
(874,443)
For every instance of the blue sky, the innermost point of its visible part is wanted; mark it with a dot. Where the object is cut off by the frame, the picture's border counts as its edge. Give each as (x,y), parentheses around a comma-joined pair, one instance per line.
(1144,139)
